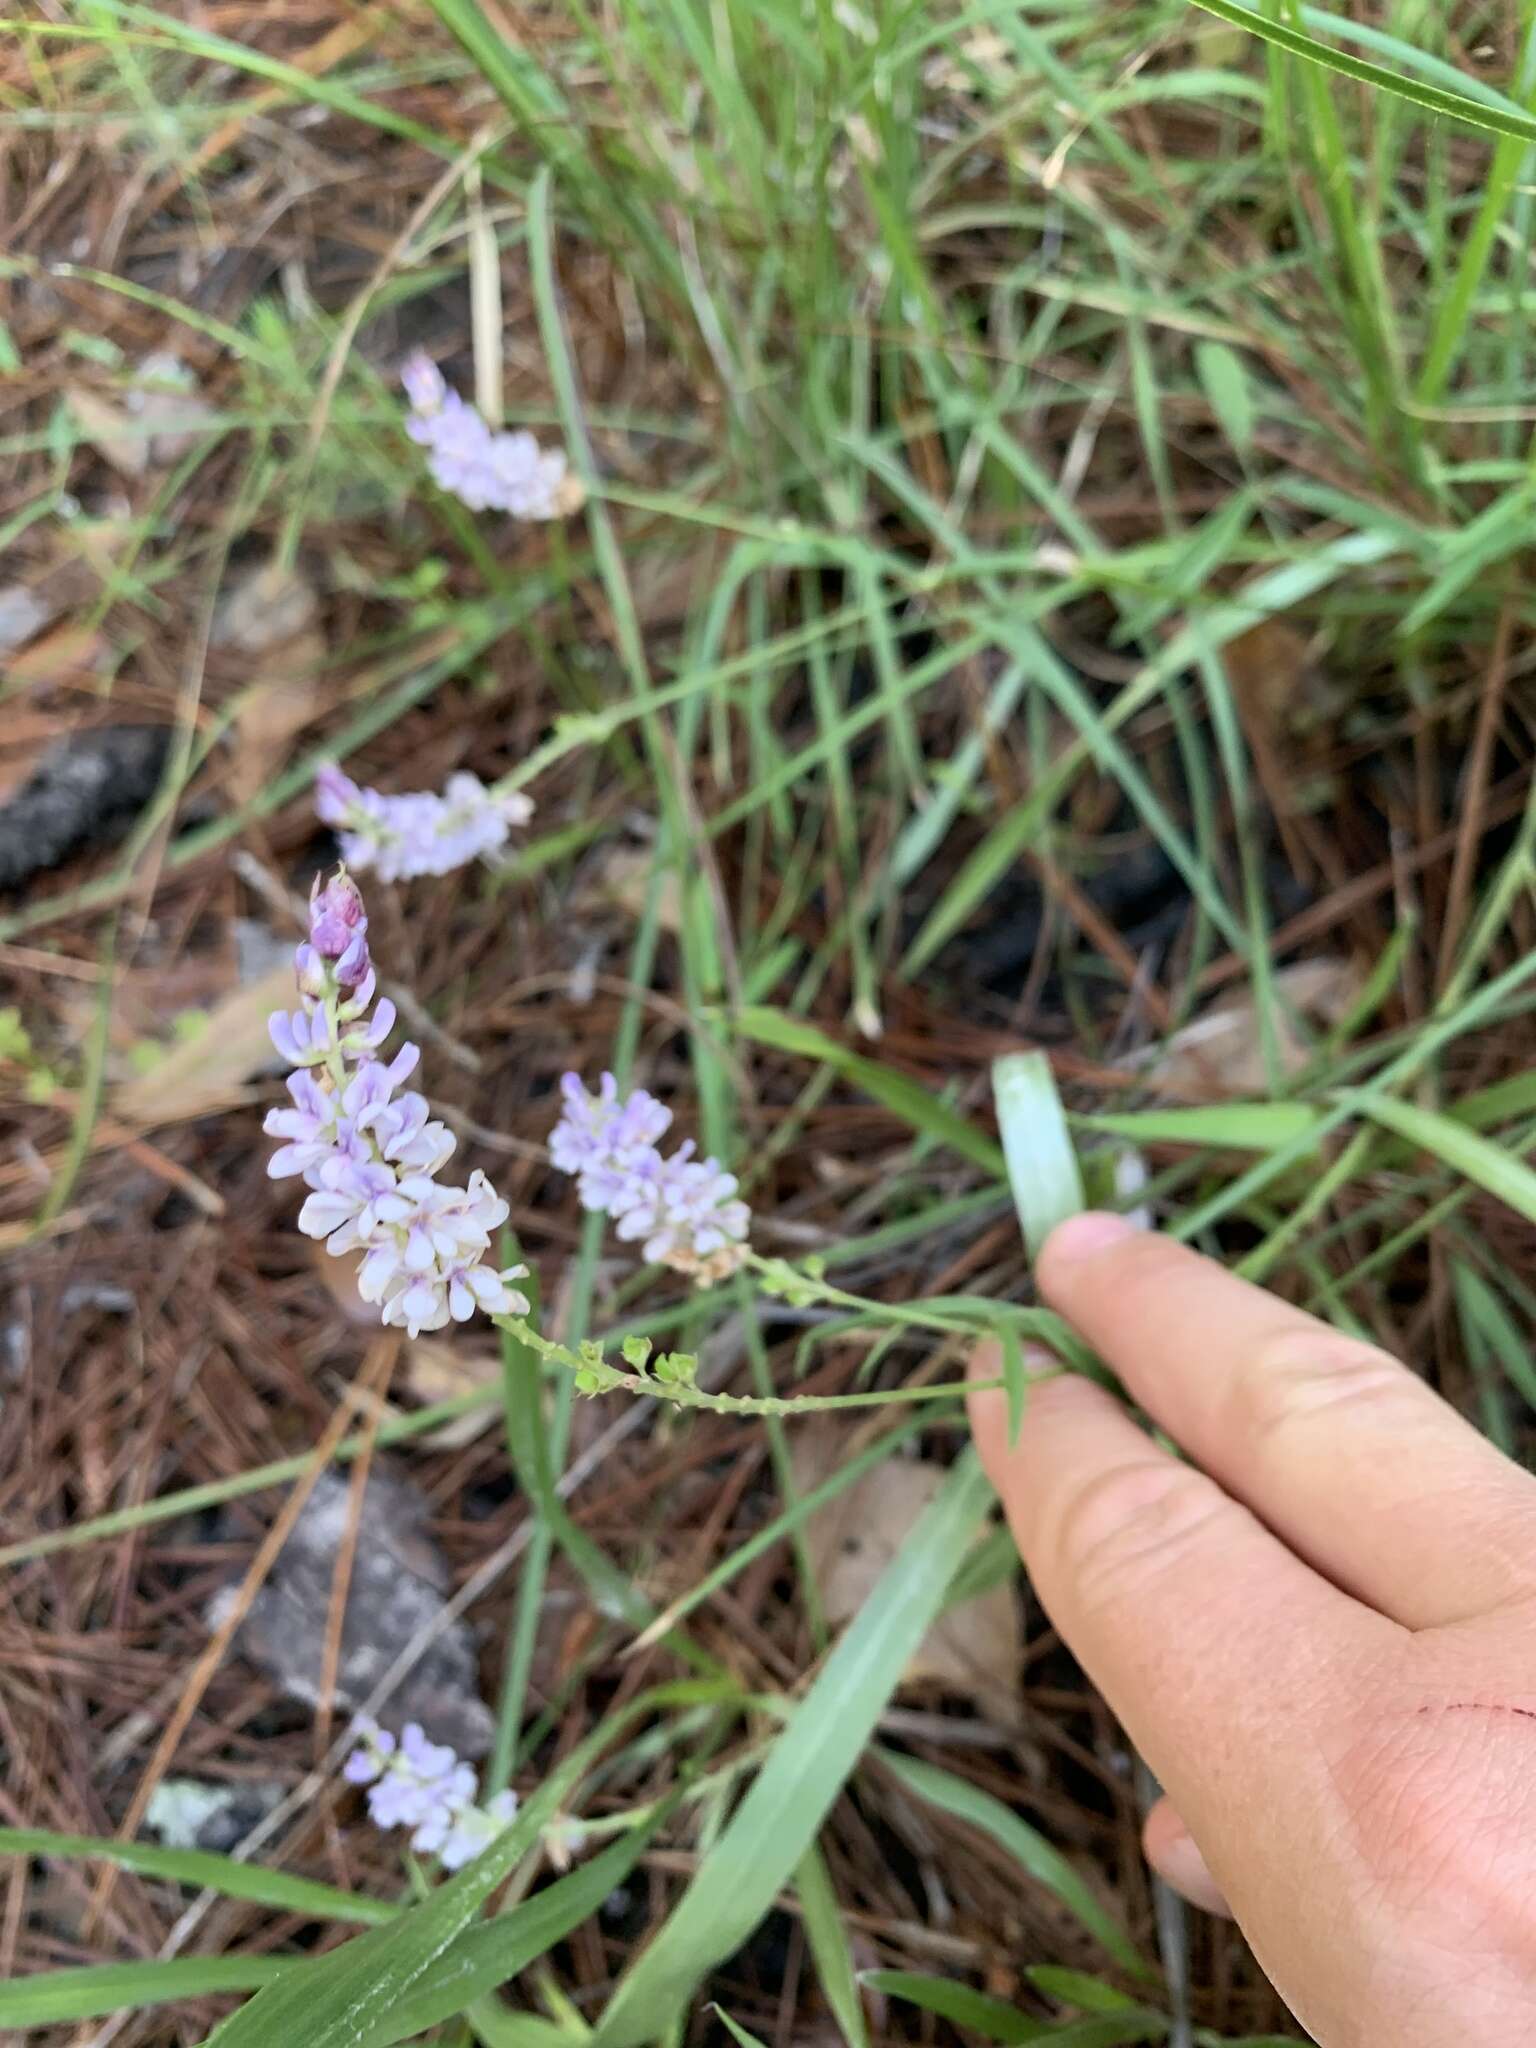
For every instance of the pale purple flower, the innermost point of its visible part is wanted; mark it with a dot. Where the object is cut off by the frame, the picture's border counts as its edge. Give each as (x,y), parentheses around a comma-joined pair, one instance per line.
(475,1828)
(417,833)
(685,1209)
(423,381)
(366,1762)
(503,472)
(687,1214)
(605,1139)
(368,1155)
(421,1785)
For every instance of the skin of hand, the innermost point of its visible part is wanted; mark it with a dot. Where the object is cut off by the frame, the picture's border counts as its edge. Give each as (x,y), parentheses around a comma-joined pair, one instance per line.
(1320,1632)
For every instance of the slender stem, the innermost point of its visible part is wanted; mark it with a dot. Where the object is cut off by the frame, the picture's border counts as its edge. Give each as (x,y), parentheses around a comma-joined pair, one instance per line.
(612,1378)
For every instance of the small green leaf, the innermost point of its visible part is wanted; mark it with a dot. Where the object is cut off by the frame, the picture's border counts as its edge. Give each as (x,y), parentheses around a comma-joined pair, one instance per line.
(737,2032)
(1076,1987)
(1233,1126)
(1015,1380)
(974,2011)
(1225,383)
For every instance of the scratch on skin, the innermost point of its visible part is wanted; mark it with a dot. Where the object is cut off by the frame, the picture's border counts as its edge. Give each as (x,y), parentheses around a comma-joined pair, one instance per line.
(1478,1707)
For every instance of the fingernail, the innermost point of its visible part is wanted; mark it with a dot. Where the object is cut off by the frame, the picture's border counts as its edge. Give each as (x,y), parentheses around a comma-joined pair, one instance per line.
(1083,1237)
(1179,1861)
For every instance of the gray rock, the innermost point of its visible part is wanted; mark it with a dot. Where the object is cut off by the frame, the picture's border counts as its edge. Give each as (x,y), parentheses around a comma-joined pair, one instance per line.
(398,1585)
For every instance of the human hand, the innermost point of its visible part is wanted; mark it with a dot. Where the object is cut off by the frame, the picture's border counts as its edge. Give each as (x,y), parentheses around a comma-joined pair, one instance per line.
(1323,1640)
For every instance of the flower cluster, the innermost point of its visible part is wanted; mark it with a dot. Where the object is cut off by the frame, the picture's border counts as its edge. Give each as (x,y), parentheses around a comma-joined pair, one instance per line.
(371,1157)
(416,833)
(685,1209)
(421,1785)
(488,471)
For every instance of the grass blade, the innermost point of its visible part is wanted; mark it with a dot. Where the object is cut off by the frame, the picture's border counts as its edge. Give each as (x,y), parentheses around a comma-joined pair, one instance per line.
(491,1954)
(1436,99)
(1029,1849)
(767,1838)
(85,1994)
(991,2019)
(1466,1151)
(903,1097)
(204,1871)
(345,1998)
(830,1952)
(1042,1165)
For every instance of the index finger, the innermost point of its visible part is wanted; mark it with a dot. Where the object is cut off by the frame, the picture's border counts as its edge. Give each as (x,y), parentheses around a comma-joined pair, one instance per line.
(1206,1635)
(1347,1455)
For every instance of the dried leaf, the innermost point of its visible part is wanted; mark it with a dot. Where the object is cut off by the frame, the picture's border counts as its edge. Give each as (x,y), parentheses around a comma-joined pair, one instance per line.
(208,1072)
(274,714)
(439,1370)
(22,614)
(110,430)
(340,1277)
(264,608)
(69,654)
(164,399)
(975,1649)
(1221,1053)
(625,879)
(270,612)
(1270,669)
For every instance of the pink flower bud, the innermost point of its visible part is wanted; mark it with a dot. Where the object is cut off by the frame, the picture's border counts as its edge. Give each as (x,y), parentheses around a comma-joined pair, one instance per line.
(338,927)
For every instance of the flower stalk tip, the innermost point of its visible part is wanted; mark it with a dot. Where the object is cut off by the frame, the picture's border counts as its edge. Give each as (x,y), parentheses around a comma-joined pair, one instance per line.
(505,472)
(417,832)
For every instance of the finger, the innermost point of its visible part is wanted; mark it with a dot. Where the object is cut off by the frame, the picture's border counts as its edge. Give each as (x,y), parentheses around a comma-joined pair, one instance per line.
(1347,1455)
(1216,1647)
(1175,1855)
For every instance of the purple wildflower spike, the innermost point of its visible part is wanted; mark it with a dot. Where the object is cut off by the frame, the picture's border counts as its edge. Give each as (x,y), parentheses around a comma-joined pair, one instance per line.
(370,1156)
(506,472)
(417,833)
(421,1785)
(685,1209)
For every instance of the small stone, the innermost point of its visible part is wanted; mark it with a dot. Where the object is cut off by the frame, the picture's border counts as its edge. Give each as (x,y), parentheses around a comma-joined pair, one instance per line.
(398,1586)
